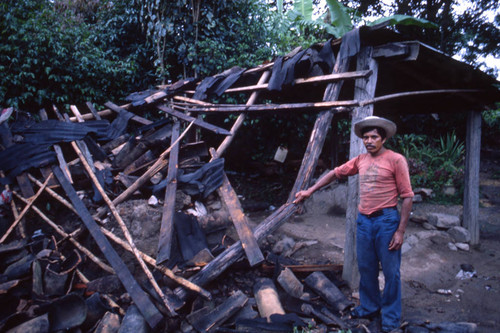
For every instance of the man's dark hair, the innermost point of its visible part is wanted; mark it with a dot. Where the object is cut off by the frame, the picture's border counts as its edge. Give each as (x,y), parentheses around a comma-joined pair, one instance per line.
(380,131)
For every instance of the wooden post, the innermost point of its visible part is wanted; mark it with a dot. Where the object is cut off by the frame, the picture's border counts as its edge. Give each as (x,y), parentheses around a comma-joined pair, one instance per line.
(363,89)
(471,190)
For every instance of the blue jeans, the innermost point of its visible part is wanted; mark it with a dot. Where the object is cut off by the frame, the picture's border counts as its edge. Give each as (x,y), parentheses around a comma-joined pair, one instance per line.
(372,244)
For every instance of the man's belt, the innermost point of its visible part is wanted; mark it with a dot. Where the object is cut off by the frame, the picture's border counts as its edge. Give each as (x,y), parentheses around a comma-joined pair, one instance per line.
(379,212)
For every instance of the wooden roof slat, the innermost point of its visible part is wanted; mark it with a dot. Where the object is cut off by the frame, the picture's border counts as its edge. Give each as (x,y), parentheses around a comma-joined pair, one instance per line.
(197,122)
(317,106)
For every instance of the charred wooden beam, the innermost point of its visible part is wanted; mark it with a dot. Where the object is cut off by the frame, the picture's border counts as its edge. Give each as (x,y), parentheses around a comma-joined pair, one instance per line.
(403,51)
(207,320)
(235,251)
(152,315)
(305,268)
(240,221)
(327,290)
(197,122)
(92,109)
(290,283)
(167,219)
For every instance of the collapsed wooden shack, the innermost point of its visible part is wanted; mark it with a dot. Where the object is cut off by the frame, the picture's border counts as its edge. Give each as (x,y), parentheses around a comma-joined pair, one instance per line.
(367,69)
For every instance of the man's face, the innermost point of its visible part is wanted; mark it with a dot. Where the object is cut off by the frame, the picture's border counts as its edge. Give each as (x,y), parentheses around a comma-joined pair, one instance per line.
(373,141)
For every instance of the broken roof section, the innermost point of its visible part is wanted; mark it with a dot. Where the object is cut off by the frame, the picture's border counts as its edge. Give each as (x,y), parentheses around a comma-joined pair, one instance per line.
(412,78)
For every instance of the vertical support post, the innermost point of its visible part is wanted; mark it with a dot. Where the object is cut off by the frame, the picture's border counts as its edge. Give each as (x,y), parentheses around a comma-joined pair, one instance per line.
(471,190)
(364,89)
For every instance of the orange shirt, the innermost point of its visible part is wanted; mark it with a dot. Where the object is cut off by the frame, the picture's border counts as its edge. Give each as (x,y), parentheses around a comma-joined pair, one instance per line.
(381,179)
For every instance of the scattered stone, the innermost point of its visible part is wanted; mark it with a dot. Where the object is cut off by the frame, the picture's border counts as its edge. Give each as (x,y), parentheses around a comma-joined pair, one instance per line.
(405,248)
(444,291)
(426,192)
(463,246)
(417,218)
(428,226)
(452,246)
(153,201)
(417,198)
(416,329)
(283,245)
(460,234)
(443,221)
(463,275)
(462,327)
(181,200)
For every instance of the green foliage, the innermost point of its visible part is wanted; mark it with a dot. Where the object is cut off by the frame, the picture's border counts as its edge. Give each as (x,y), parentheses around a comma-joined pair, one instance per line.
(470,29)
(200,38)
(404,20)
(50,55)
(433,163)
(340,19)
(491,128)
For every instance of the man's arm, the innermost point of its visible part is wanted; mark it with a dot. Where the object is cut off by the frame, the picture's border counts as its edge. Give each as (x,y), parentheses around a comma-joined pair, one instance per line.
(325,180)
(397,238)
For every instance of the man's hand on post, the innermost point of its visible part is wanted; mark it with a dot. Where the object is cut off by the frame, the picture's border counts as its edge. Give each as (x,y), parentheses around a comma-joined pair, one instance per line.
(301,195)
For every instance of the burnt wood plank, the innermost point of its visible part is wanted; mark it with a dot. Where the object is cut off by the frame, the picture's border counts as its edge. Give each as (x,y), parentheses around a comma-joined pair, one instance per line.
(197,122)
(207,320)
(92,109)
(46,171)
(120,109)
(25,185)
(327,290)
(240,221)
(167,219)
(145,305)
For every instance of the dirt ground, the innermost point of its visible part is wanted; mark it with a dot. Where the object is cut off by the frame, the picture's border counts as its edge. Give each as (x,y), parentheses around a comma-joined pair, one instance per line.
(431,290)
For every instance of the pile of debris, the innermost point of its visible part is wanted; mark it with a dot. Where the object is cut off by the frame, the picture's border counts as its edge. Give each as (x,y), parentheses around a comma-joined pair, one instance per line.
(60,274)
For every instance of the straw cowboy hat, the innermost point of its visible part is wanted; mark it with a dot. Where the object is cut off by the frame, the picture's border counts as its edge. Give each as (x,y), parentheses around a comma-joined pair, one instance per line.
(374,121)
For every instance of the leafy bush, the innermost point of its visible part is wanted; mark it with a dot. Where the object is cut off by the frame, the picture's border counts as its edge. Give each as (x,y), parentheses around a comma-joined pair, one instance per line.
(433,163)
(49,54)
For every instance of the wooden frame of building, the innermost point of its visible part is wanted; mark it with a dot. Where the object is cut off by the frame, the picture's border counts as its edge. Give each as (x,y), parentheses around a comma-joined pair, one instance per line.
(382,74)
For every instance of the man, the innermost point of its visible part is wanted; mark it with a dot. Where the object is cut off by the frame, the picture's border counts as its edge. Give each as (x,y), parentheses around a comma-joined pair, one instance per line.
(383,175)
